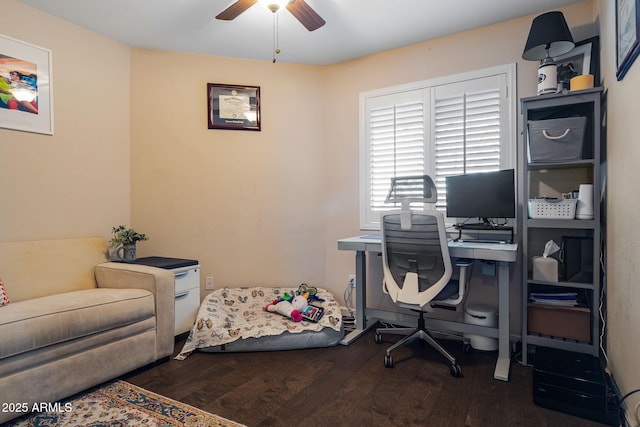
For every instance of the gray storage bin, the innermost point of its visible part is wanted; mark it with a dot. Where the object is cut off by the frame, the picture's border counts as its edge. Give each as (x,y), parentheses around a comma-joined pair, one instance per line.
(556,140)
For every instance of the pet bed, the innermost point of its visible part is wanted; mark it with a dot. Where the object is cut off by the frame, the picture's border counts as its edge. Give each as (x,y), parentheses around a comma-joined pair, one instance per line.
(234,319)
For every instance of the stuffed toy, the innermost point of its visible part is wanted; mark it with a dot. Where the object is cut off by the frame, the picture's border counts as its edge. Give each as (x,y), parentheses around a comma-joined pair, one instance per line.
(289,308)
(309,292)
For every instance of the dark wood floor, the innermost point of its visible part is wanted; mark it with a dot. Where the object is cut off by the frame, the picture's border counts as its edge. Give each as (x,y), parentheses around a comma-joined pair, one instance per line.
(349,386)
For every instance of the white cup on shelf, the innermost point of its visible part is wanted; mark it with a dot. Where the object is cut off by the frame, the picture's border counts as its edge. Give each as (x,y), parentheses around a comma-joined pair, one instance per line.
(584,208)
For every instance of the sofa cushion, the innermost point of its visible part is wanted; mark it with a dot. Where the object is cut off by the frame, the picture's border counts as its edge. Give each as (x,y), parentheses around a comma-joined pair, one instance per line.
(40,322)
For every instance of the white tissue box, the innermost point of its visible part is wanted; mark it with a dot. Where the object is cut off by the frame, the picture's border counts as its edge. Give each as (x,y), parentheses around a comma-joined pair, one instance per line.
(545,269)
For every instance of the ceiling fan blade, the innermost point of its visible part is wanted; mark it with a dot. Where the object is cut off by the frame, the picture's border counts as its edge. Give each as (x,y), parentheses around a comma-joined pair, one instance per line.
(235,9)
(306,15)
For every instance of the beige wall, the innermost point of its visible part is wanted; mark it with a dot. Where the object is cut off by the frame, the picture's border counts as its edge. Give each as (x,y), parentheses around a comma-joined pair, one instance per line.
(75,183)
(248,205)
(623,239)
(131,146)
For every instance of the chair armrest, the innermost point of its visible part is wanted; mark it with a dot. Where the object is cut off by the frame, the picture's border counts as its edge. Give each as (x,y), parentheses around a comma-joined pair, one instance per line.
(158,281)
(464,262)
(464,276)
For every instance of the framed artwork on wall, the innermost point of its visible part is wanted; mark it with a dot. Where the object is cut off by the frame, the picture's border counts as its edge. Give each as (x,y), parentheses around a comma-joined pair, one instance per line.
(583,59)
(233,107)
(627,34)
(26,102)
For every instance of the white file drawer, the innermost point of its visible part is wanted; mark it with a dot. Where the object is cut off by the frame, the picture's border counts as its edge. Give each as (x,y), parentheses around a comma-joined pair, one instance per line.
(186,285)
(187,294)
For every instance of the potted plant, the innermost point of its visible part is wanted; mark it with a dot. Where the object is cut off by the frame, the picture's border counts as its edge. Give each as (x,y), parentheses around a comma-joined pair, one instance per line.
(124,240)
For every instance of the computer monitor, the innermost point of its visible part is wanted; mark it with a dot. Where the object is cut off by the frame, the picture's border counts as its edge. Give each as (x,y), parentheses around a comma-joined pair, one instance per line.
(483,195)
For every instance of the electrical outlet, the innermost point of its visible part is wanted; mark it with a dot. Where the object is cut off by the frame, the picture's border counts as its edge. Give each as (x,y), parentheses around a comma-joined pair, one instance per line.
(208,282)
(352,280)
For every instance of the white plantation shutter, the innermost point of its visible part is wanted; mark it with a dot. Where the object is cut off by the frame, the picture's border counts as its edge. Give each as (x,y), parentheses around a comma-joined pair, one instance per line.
(395,128)
(461,124)
(397,134)
(467,130)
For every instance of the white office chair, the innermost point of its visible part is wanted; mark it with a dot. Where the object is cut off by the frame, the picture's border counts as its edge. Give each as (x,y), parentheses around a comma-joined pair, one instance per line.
(416,264)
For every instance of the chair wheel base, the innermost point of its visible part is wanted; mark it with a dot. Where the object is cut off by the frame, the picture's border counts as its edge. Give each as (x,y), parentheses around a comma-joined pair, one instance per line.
(388,361)
(455,370)
(378,338)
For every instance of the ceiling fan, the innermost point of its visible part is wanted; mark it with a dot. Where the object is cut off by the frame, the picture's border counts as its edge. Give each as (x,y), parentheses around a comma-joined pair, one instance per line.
(298,8)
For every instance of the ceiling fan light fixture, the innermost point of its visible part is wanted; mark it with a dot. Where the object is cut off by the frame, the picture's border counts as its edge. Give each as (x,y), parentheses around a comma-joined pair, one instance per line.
(274,5)
(304,13)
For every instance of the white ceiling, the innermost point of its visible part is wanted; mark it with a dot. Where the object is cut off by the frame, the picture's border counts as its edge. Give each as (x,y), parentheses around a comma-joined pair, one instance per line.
(354,28)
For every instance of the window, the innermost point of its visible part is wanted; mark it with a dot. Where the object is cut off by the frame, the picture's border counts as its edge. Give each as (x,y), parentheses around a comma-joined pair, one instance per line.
(449,126)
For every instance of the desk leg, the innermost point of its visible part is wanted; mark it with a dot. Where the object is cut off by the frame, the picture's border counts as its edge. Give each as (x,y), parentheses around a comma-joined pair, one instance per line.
(361,299)
(361,289)
(504,358)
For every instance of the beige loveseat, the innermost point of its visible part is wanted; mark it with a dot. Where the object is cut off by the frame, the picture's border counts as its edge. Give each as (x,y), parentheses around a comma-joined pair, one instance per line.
(75,320)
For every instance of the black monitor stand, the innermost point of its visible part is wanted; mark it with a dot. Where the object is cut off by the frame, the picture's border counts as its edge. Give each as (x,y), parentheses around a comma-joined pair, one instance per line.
(485,225)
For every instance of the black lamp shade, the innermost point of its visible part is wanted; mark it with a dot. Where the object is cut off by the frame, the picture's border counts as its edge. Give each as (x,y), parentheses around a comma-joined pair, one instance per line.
(548,31)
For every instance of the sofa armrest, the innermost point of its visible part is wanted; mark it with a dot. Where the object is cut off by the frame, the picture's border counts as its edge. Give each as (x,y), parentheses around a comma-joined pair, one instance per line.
(158,281)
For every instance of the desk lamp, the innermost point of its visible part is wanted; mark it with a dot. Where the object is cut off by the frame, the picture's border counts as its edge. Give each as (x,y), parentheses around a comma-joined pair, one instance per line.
(549,37)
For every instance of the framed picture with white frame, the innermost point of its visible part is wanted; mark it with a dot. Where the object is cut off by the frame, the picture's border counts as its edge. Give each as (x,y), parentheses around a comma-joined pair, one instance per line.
(26,102)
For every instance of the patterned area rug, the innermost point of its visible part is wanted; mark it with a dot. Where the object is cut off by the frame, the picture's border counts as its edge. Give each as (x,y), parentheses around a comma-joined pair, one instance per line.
(117,404)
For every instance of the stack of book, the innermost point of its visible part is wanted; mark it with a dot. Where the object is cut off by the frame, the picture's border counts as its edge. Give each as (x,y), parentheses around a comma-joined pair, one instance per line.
(564,299)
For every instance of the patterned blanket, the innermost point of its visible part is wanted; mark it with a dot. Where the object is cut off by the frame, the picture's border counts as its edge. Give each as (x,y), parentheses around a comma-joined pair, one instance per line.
(230,314)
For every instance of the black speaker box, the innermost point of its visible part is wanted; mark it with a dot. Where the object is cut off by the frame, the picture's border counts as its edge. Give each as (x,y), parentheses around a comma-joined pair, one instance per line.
(573,383)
